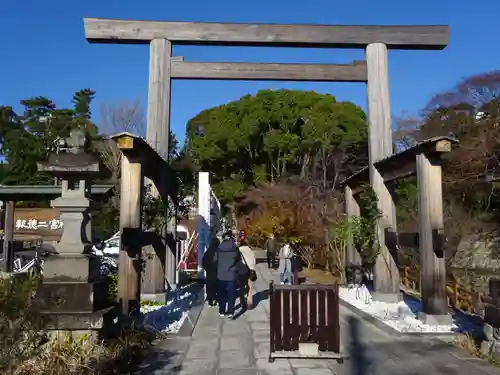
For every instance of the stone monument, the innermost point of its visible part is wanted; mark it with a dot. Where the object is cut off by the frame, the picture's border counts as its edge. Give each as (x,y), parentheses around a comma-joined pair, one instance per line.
(73,295)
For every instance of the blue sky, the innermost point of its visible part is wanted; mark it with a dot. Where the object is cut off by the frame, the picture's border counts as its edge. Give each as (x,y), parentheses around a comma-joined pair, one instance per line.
(43,50)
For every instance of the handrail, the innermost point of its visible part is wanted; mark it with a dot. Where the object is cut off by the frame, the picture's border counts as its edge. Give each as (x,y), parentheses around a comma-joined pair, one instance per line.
(187,250)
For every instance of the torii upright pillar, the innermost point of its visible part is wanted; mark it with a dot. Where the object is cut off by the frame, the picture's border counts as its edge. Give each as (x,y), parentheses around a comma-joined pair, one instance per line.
(380,146)
(157,135)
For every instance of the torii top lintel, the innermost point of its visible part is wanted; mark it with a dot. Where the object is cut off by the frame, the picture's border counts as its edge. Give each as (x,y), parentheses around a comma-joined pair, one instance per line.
(100,30)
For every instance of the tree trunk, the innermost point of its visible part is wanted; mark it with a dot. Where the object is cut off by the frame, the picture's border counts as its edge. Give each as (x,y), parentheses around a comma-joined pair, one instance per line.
(323,166)
(305,164)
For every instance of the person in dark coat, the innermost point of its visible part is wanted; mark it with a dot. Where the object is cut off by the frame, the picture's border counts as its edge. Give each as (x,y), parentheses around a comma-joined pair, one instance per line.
(272,248)
(210,266)
(229,265)
(296,267)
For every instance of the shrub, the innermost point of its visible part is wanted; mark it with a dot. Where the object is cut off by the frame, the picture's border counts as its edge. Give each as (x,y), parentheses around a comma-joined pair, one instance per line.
(112,281)
(297,211)
(87,356)
(27,349)
(21,325)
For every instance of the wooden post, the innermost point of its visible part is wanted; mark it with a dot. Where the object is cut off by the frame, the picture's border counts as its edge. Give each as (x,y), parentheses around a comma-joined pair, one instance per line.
(8,236)
(157,135)
(353,257)
(131,201)
(171,258)
(158,117)
(379,147)
(379,110)
(432,263)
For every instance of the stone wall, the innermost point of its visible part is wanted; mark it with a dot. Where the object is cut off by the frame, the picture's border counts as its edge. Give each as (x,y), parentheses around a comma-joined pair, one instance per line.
(476,261)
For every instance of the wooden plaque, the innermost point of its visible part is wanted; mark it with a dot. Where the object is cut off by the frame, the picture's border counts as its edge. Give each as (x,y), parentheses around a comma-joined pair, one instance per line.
(33,223)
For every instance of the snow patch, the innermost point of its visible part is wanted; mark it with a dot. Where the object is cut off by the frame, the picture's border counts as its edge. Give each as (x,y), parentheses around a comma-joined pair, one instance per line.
(401,316)
(168,318)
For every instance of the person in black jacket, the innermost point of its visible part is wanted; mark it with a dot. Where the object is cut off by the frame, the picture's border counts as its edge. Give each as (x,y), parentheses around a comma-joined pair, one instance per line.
(272,249)
(229,265)
(296,267)
(210,266)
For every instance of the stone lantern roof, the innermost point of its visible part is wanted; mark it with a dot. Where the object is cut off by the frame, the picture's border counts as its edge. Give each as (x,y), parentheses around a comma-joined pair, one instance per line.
(74,161)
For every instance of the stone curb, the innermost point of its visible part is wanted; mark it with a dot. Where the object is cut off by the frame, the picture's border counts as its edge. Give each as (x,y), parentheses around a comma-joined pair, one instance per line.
(388,329)
(189,324)
(369,318)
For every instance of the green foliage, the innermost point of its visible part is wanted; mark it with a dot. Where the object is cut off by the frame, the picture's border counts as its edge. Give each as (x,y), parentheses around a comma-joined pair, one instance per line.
(151,303)
(344,231)
(406,198)
(360,231)
(27,348)
(82,100)
(369,217)
(105,220)
(274,134)
(21,326)
(112,281)
(156,211)
(33,136)
(73,354)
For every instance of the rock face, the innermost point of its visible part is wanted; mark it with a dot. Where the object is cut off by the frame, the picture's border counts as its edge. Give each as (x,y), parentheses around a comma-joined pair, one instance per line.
(475,251)
(476,261)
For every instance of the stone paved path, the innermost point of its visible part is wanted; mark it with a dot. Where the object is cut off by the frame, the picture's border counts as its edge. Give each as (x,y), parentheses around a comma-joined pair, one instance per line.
(241,347)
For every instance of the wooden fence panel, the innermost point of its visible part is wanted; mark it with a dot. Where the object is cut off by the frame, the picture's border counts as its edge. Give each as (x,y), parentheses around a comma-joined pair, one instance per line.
(296,318)
(304,314)
(287,336)
(322,337)
(333,314)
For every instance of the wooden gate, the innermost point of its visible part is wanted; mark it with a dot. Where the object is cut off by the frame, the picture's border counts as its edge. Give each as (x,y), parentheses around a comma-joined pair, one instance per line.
(304,321)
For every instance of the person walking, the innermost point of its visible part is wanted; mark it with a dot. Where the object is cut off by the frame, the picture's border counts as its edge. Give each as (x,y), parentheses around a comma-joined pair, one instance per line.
(210,266)
(228,260)
(285,264)
(296,264)
(247,278)
(271,250)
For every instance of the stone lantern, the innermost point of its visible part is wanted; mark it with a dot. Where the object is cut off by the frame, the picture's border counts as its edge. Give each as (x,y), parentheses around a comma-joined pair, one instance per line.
(73,294)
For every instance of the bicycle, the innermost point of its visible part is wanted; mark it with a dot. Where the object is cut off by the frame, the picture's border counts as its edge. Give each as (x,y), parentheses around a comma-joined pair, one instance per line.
(35,266)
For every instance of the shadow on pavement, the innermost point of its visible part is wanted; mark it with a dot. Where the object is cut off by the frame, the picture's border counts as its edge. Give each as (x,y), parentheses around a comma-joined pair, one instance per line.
(370,354)
(158,360)
(357,352)
(259,297)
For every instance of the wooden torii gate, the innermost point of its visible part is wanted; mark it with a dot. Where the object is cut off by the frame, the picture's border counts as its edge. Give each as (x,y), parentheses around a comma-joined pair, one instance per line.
(375,40)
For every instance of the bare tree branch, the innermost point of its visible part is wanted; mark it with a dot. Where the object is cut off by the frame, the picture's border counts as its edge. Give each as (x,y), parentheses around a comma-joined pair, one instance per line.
(405,128)
(117,117)
(122,116)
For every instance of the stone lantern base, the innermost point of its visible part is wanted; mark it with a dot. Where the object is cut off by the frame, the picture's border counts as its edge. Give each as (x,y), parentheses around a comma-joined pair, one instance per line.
(73,297)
